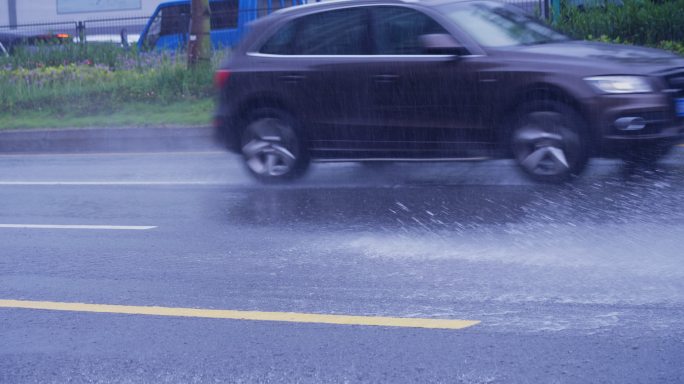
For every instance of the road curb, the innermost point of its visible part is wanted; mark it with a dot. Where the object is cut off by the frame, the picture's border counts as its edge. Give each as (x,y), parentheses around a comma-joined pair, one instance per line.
(120,139)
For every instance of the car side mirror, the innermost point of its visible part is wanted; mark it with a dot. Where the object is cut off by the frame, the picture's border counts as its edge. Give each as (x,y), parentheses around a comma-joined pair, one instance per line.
(441,44)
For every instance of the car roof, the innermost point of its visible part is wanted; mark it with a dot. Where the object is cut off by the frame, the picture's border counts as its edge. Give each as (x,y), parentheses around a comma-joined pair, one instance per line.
(301,10)
(179,2)
(338,3)
(335,4)
(262,24)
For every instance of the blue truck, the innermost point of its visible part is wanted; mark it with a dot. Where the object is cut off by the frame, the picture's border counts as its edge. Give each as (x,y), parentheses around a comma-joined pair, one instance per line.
(169,25)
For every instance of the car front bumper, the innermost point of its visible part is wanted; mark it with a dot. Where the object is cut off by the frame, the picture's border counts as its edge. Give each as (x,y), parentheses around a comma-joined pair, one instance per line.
(625,121)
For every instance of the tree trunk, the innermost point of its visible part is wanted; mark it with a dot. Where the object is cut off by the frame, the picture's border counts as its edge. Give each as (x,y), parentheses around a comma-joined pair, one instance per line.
(199,42)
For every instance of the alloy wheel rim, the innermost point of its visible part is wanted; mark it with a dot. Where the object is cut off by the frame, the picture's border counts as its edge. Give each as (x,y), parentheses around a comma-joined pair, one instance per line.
(267,149)
(544,145)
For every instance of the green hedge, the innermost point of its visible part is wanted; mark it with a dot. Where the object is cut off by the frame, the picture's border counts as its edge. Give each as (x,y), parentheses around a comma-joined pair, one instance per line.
(641,22)
(94,78)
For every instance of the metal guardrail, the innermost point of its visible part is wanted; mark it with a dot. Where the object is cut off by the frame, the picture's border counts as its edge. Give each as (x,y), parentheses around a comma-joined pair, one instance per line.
(46,27)
(90,30)
(80,28)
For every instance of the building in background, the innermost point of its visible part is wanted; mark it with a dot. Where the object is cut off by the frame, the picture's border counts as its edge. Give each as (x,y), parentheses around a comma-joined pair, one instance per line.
(85,20)
(23,12)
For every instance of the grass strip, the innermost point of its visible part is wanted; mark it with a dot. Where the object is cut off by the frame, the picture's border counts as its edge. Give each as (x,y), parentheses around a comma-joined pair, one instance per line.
(185,113)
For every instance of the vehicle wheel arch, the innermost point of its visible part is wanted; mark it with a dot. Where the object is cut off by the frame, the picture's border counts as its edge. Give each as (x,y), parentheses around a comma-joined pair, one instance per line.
(249,106)
(271,140)
(547,134)
(538,92)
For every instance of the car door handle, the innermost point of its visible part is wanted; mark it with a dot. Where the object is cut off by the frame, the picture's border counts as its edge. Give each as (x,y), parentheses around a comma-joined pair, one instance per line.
(385,78)
(292,78)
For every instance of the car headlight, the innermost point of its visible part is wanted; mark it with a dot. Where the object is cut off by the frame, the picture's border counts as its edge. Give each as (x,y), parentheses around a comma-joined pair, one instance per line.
(620,84)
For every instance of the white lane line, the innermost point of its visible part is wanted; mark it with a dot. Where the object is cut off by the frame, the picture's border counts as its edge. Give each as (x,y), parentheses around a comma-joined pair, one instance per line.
(51,226)
(100,154)
(114,183)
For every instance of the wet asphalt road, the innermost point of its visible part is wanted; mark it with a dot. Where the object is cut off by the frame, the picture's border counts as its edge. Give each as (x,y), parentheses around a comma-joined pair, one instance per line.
(579,283)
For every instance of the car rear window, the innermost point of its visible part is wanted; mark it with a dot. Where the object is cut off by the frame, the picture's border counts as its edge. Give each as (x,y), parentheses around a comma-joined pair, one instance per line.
(282,41)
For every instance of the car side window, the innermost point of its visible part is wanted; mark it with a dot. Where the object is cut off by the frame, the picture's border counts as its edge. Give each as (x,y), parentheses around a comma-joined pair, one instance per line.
(282,41)
(338,32)
(224,14)
(396,30)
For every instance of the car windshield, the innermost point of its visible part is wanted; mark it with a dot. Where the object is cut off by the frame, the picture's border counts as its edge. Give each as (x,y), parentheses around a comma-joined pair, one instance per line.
(499,26)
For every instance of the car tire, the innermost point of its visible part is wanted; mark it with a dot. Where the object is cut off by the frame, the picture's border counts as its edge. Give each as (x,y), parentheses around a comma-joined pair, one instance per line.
(271,147)
(548,141)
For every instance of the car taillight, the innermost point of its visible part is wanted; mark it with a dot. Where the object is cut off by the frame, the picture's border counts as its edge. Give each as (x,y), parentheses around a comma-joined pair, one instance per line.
(220,78)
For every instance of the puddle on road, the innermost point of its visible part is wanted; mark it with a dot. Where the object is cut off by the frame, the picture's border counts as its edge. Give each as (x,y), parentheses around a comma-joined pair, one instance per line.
(583,279)
(640,250)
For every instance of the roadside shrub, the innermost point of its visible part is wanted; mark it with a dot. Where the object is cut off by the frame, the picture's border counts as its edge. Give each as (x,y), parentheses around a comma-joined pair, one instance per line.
(65,54)
(674,46)
(641,22)
(90,79)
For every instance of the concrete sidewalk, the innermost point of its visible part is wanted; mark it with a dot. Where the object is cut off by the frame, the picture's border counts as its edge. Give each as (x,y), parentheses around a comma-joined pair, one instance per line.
(85,140)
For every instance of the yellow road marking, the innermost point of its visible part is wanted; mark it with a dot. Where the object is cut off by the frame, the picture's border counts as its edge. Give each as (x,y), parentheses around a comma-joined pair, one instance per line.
(243,315)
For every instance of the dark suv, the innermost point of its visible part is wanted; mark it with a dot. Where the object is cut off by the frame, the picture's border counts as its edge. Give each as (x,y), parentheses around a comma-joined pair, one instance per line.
(440,80)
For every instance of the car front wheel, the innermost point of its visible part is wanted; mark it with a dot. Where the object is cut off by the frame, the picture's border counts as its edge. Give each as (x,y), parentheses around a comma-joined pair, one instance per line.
(548,141)
(271,148)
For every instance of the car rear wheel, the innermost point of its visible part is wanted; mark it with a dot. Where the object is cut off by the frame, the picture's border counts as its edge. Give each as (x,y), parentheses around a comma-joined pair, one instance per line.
(548,141)
(271,148)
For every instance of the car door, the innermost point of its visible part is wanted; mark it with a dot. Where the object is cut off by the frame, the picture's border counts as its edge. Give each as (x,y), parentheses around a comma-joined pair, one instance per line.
(422,104)
(321,72)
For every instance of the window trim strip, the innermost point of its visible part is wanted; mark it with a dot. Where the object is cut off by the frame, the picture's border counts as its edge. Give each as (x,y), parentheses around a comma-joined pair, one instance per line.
(273,55)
